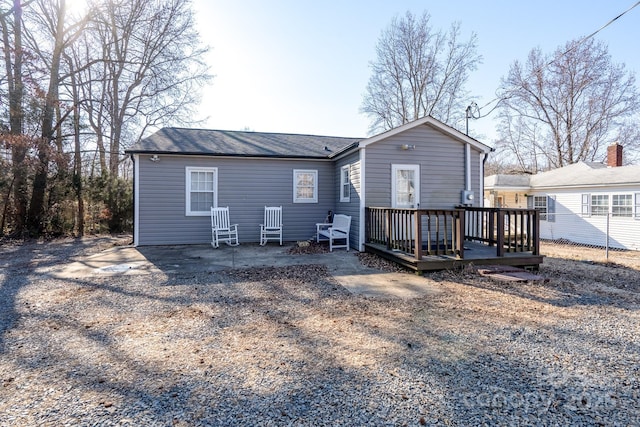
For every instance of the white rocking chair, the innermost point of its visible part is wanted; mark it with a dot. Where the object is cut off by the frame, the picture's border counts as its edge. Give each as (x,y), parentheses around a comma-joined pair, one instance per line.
(272,227)
(221,230)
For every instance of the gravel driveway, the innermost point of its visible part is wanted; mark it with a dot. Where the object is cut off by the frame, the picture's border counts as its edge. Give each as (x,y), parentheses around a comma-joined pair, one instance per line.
(290,346)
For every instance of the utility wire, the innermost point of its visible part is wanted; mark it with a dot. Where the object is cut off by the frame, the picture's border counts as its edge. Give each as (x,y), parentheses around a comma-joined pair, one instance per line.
(575,46)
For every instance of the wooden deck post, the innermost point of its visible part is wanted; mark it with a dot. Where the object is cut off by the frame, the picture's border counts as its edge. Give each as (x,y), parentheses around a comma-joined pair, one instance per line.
(500,233)
(491,230)
(417,235)
(387,232)
(459,230)
(536,233)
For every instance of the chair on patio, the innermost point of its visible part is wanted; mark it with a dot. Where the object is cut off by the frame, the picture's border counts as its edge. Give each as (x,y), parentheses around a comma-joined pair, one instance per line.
(221,229)
(337,230)
(271,229)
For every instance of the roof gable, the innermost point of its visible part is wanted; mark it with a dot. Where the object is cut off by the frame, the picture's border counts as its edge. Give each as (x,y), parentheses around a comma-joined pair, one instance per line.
(435,124)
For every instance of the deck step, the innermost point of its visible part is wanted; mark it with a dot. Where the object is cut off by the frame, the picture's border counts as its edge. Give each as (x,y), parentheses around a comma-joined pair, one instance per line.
(508,273)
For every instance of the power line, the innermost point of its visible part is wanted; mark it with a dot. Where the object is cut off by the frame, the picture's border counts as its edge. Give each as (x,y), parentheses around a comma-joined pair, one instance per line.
(572,48)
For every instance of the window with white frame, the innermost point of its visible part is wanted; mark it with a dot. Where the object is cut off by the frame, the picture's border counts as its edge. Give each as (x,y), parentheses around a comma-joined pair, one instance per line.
(305,186)
(345,184)
(622,205)
(540,204)
(637,197)
(201,190)
(599,204)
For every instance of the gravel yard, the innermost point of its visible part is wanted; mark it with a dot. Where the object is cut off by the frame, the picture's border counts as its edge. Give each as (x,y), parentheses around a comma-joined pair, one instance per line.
(290,346)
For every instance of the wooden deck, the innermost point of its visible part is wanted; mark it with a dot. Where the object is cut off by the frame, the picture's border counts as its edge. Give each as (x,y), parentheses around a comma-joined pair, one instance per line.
(454,238)
(474,253)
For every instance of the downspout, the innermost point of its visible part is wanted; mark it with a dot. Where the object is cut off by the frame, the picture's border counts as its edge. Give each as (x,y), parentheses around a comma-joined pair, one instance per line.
(134,205)
(467,167)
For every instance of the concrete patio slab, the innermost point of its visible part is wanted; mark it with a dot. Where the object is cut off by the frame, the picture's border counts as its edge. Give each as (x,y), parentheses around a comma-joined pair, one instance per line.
(344,266)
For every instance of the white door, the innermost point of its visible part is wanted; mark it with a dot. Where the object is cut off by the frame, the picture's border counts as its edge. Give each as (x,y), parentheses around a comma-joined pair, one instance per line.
(405,186)
(405,194)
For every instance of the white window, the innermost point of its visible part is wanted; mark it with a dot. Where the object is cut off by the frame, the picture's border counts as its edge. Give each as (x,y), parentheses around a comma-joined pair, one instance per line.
(599,204)
(540,204)
(637,196)
(622,205)
(305,186)
(201,190)
(345,184)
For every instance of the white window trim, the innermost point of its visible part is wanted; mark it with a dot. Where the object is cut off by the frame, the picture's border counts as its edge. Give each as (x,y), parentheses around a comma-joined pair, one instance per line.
(608,205)
(544,214)
(611,205)
(314,199)
(343,197)
(187,208)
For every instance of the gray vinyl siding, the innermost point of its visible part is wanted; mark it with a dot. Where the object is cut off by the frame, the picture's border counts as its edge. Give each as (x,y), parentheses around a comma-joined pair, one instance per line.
(442,162)
(245,185)
(352,207)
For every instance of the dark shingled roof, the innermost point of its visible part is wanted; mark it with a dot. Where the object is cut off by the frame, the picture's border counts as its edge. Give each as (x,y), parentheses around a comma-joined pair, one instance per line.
(240,143)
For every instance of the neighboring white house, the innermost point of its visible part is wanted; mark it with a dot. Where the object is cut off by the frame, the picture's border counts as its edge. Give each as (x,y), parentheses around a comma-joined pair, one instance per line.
(579,202)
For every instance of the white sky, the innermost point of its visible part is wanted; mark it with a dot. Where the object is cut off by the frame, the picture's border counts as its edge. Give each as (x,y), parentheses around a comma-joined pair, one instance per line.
(299,66)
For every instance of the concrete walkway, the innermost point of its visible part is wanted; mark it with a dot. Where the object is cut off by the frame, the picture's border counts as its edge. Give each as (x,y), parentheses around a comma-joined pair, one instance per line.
(345,266)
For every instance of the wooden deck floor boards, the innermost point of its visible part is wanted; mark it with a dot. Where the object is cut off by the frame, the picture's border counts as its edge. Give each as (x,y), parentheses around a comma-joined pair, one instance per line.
(474,253)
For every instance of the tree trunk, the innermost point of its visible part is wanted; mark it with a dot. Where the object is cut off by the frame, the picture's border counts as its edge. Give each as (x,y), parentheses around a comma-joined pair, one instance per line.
(36,208)
(16,114)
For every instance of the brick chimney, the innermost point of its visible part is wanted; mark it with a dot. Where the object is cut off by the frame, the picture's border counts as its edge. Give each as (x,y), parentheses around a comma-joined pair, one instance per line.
(614,155)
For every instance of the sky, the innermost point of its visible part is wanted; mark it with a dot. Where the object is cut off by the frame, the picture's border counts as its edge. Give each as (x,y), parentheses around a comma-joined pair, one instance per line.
(300,66)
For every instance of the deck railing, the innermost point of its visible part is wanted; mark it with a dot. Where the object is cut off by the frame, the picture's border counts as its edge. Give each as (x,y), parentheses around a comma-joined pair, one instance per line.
(420,232)
(438,232)
(510,230)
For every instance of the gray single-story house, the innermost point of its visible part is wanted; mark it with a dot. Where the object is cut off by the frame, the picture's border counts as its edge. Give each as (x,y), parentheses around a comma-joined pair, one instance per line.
(180,173)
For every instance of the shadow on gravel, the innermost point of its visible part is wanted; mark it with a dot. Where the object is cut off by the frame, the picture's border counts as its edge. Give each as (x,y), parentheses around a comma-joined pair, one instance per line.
(289,346)
(568,283)
(18,265)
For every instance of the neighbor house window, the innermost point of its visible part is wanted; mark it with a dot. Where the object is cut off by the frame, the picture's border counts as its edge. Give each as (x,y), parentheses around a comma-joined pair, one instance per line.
(599,204)
(305,186)
(345,184)
(540,204)
(622,205)
(201,190)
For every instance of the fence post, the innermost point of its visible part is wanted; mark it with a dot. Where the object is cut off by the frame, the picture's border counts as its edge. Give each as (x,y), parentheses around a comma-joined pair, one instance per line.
(606,252)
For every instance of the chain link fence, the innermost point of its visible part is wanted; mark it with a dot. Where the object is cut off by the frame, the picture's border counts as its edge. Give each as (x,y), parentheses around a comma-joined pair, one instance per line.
(602,238)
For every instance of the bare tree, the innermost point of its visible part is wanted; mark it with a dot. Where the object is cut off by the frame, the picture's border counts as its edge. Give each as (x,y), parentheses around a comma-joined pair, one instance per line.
(136,64)
(559,109)
(418,72)
(151,69)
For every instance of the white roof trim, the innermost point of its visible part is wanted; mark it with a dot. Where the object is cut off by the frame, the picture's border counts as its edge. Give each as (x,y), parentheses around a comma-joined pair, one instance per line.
(430,121)
(505,188)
